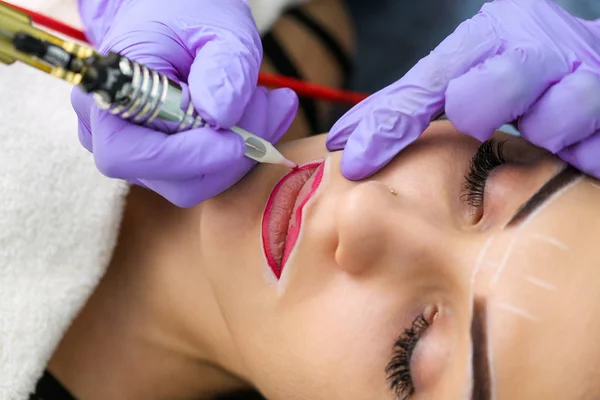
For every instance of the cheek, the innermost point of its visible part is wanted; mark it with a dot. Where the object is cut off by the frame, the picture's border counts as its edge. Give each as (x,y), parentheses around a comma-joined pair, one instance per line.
(544,326)
(540,283)
(344,333)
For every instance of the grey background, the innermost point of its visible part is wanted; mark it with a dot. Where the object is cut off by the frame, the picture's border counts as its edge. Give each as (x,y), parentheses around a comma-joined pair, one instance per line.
(392,35)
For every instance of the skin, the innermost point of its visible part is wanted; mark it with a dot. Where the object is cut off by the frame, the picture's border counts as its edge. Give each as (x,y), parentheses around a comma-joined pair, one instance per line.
(188,307)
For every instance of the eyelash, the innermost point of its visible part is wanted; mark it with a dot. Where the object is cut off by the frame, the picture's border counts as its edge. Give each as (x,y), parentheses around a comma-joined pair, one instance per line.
(489,155)
(398,369)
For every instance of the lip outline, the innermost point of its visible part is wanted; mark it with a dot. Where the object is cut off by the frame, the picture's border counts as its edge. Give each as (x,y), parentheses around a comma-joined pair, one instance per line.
(296,213)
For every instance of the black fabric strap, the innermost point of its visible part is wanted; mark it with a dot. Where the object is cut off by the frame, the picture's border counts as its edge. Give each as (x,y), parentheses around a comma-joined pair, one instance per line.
(329,41)
(49,388)
(243,395)
(282,63)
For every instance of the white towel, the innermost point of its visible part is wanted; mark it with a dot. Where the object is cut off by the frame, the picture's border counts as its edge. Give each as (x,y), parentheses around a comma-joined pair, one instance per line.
(59,217)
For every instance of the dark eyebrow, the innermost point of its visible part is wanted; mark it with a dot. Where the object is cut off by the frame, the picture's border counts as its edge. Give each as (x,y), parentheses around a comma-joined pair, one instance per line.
(482,389)
(557,182)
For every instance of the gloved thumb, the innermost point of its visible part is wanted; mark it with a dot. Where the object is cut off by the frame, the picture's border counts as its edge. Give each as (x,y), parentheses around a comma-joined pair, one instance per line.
(374,131)
(223,78)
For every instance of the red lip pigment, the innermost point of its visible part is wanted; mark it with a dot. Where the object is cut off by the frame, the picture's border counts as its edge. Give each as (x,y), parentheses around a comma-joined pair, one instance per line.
(282,217)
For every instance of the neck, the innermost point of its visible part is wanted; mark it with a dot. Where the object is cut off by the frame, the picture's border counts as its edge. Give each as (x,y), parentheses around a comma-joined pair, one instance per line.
(176,292)
(153,315)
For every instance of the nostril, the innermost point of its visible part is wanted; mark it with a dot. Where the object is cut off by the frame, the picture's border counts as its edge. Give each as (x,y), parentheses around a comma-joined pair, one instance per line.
(360,219)
(357,252)
(382,230)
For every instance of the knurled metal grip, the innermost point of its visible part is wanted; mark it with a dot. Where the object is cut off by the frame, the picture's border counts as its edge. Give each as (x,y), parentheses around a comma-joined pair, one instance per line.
(135,92)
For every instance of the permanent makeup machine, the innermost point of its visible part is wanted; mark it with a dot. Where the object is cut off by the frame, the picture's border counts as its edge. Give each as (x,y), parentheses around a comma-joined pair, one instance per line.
(121,86)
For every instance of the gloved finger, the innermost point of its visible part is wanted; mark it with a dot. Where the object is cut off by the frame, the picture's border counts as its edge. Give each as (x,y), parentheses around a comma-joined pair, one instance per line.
(343,127)
(501,89)
(82,104)
(584,155)
(389,120)
(197,189)
(283,107)
(593,25)
(96,17)
(159,50)
(270,113)
(566,114)
(222,79)
(124,150)
(366,153)
(135,182)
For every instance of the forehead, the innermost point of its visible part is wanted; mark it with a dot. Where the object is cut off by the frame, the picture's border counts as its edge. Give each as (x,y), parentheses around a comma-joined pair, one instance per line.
(541,286)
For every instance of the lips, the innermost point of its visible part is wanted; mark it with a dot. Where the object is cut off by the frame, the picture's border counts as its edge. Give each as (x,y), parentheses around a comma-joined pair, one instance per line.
(283,214)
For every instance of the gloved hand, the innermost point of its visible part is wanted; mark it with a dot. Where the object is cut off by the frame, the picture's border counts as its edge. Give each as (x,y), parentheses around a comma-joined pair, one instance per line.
(525,59)
(214,46)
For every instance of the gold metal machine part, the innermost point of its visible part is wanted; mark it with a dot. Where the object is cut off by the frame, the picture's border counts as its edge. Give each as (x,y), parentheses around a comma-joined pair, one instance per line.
(121,86)
(14,22)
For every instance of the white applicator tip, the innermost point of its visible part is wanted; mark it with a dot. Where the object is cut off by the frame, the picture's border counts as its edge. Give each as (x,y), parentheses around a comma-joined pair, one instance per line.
(262,150)
(289,164)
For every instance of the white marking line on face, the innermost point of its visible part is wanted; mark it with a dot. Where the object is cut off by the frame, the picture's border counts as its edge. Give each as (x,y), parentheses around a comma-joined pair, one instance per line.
(540,283)
(504,260)
(516,310)
(479,262)
(470,379)
(596,185)
(502,264)
(531,218)
(491,361)
(550,240)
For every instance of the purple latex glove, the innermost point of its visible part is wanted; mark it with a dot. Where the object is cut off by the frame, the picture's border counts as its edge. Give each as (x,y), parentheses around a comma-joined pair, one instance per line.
(525,59)
(214,46)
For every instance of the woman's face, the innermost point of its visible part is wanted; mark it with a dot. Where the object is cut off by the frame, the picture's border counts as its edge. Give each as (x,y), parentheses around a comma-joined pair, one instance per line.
(477,305)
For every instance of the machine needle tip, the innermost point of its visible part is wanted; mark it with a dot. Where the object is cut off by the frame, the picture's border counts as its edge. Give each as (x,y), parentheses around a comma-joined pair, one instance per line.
(289,164)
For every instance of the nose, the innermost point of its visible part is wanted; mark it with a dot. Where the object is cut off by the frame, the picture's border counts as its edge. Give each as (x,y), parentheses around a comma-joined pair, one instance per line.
(381,230)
